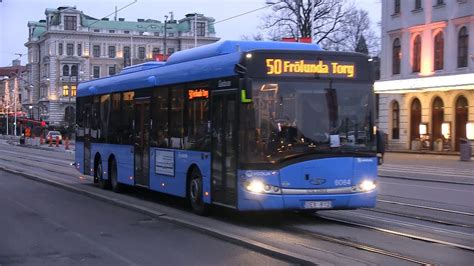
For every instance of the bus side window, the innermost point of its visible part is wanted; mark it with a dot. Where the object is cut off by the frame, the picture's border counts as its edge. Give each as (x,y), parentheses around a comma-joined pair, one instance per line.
(176,129)
(159,115)
(127,117)
(198,117)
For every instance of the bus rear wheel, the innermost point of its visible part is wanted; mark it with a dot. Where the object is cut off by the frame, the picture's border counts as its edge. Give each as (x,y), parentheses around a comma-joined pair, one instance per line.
(99,176)
(116,186)
(195,194)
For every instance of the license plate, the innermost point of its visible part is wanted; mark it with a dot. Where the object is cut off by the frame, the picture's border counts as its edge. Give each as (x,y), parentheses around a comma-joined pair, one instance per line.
(317,205)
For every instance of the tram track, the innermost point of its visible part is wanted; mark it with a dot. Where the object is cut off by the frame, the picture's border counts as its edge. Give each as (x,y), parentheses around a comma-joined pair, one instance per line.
(357,245)
(394,232)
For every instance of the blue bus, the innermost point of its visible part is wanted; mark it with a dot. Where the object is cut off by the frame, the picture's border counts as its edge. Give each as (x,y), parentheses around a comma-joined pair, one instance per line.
(252,126)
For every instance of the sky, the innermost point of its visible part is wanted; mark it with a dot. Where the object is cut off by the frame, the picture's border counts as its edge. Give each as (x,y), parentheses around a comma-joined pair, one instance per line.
(15,14)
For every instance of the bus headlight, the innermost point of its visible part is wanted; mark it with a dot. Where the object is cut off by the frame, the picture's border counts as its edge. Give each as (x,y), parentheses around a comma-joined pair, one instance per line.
(257,186)
(367,185)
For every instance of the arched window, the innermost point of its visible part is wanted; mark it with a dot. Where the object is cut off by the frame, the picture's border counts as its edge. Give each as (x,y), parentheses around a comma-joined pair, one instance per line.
(416,64)
(437,118)
(415,119)
(463,44)
(396,56)
(461,113)
(74,71)
(438,51)
(395,120)
(65,70)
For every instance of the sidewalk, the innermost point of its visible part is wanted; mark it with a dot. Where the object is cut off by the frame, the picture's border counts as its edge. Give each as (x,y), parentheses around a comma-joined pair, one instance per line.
(12,140)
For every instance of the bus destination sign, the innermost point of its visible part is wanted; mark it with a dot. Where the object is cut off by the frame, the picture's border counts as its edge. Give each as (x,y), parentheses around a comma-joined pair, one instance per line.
(305,67)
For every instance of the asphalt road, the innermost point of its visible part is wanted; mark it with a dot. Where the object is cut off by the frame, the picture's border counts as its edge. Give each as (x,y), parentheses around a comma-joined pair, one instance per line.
(44,225)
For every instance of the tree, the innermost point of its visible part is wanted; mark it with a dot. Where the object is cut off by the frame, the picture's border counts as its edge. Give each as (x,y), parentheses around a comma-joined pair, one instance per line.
(333,24)
(356,26)
(362,45)
(318,19)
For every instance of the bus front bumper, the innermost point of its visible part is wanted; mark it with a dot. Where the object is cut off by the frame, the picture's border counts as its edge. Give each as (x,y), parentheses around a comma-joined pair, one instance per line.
(249,201)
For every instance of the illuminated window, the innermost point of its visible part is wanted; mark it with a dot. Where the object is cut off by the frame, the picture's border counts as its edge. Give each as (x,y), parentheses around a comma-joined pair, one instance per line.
(73,90)
(65,90)
(463,44)
(396,56)
(416,54)
(155,53)
(438,51)
(395,120)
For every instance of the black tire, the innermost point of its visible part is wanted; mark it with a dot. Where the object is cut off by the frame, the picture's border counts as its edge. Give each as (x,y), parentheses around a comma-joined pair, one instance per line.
(195,194)
(99,175)
(116,186)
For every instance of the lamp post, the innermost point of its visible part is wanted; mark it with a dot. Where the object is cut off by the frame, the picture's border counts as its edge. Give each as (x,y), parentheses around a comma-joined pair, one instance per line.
(164,40)
(195,29)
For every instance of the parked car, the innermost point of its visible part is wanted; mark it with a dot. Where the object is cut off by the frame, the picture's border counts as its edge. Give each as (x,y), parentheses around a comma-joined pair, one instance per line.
(54,135)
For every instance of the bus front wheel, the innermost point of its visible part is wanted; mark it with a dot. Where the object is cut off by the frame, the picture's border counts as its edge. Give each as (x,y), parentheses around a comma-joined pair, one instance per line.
(195,194)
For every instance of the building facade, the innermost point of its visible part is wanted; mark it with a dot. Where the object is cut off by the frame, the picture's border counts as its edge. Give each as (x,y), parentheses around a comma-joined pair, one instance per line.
(426,91)
(12,83)
(69,47)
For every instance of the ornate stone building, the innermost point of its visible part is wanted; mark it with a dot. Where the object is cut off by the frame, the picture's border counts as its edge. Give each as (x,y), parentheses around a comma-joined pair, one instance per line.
(70,46)
(426,91)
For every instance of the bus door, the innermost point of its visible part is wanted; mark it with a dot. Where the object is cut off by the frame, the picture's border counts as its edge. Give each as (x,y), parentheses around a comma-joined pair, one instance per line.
(141,141)
(87,138)
(224,152)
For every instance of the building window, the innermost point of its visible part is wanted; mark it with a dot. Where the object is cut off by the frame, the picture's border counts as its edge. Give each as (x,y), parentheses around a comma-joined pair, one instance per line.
(396,9)
(126,32)
(439,2)
(96,50)
(156,33)
(79,49)
(170,51)
(396,56)
(171,34)
(126,56)
(74,72)
(111,70)
(141,52)
(96,72)
(70,22)
(395,120)
(70,49)
(65,90)
(111,51)
(111,31)
(201,29)
(463,44)
(65,70)
(416,64)
(96,30)
(438,51)
(417,4)
(60,48)
(73,90)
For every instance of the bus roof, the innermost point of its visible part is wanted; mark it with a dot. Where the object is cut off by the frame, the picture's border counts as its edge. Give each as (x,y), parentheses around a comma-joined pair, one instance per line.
(205,62)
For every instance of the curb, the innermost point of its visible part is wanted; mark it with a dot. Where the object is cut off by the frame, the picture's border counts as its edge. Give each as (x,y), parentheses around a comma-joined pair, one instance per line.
(240,241)
(428,180)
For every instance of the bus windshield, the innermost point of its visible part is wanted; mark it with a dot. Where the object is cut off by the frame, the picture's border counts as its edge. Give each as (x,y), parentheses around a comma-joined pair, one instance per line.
(289,120)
